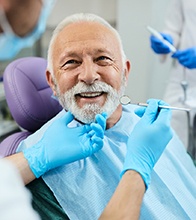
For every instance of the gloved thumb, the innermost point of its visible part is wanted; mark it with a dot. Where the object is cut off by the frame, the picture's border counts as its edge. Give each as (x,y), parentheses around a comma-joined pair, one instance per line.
(101,119)
(67,117)
(151,111)
(140,111)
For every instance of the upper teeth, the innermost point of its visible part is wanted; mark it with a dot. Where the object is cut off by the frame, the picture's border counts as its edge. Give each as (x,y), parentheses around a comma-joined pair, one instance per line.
(90,94)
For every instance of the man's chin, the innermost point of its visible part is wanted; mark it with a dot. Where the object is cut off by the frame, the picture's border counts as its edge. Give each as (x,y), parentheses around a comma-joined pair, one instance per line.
(87,113)
(86,117)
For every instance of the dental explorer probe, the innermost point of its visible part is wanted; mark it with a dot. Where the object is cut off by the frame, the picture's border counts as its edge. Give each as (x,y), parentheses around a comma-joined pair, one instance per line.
(125,100)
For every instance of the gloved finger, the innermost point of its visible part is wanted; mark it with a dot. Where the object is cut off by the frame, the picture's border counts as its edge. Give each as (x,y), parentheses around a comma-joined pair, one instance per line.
(158,46)
(185,63)
(164,116)
(101,119)
(163,124)
(68,117)
(84,129)
(151,111)
(97,144)
(155,40)
(183,59)
(161,49)
(99,131)
(189,64)
(161,102)
(183,54)
(104,114)
(176,54)
(90,133)
(140,111)
(167,37)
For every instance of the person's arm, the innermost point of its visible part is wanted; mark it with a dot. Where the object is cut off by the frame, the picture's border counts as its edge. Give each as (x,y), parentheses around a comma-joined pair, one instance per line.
(126,201)
(15,199)
(20,162)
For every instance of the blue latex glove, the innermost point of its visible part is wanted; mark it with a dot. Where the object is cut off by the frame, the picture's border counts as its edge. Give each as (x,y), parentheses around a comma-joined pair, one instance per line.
(148,139)
(186,57)
(62,145)
(158,46)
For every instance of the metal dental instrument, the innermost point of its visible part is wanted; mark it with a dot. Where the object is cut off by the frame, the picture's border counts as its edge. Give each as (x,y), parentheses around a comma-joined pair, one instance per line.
(125,100)
(160,37)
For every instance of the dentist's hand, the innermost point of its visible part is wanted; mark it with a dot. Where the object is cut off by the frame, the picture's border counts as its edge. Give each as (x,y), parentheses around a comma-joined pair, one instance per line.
(186,57)
(148,139)
(62,145)
(158,46)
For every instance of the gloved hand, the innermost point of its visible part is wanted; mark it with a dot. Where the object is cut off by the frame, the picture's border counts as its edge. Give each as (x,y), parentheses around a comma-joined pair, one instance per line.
(186,57)
(148,139)
(62,145)
(158,46)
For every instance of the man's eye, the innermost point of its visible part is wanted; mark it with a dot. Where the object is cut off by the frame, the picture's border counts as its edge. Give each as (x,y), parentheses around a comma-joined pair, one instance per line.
(102,58)
(103,61)
(70,62)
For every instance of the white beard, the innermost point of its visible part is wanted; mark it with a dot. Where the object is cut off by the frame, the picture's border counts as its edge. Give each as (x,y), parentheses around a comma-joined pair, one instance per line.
(87,113)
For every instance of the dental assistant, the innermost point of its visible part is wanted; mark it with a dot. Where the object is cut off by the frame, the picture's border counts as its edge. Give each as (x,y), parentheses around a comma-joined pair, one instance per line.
(180,31)
(22,22)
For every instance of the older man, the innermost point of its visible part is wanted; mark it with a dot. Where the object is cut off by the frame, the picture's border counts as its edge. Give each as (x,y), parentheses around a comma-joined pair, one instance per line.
(88,72)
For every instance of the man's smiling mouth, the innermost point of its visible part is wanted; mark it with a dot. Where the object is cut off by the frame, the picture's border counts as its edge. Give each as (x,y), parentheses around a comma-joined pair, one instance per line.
(89,94)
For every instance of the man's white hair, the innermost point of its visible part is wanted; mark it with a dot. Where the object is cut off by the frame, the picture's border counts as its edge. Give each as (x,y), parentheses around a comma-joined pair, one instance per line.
(75,18)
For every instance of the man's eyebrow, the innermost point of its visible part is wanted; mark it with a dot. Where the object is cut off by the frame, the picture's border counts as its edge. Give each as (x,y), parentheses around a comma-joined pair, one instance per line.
(77,54)
(67,54)
(104,50)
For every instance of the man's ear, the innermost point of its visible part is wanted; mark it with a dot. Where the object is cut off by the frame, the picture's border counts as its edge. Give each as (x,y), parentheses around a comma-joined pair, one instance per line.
(50,81)
(127,70)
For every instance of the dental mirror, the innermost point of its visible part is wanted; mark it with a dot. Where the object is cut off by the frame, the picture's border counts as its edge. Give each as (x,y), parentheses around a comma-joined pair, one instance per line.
(125,100)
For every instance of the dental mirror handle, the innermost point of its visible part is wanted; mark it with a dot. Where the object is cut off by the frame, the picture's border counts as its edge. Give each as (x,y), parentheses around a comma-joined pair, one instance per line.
(125,100)
(163,106)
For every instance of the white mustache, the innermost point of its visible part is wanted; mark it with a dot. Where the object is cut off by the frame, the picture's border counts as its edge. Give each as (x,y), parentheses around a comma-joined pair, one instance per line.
(96,87)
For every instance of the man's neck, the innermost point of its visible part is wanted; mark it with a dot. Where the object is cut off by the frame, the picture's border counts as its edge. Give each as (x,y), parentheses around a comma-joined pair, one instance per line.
(114,118)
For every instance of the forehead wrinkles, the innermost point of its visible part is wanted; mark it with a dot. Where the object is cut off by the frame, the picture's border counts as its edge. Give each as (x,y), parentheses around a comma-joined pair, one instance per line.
(86,49)
(85,33)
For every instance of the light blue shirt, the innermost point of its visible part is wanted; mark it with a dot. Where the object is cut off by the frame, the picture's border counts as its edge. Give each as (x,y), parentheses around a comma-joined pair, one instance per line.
(83,188)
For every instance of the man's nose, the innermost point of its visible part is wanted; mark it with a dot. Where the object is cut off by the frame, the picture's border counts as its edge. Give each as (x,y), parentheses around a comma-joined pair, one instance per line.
(88,72)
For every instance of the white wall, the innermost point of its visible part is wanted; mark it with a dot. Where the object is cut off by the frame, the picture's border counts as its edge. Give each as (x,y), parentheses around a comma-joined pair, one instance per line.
(63,8)
(148,77)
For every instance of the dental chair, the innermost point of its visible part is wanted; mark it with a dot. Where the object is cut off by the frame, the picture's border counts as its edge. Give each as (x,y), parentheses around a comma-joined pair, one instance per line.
(28,97)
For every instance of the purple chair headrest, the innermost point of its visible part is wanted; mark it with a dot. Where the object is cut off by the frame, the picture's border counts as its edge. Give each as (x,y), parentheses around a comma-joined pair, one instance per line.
(28,94)
(10,144)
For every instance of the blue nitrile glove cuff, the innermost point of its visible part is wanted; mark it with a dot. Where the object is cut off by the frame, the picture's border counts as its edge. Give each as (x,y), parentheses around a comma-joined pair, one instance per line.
(133,163)
(35,156)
